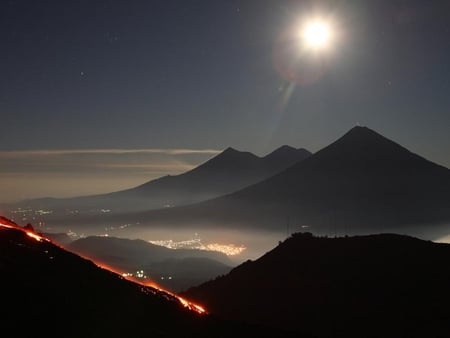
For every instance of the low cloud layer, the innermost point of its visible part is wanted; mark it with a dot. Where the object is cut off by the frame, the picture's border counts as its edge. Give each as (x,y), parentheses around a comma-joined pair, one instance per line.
(64,173)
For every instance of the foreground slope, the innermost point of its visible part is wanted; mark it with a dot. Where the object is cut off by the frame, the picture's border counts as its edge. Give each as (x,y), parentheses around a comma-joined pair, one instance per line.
(50,292)
(228,171)
(361,183)
(364,286)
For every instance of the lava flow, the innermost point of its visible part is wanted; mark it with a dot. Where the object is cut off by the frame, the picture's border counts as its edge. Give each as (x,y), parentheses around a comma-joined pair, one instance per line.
(187,304)
(11,225)
(6,223)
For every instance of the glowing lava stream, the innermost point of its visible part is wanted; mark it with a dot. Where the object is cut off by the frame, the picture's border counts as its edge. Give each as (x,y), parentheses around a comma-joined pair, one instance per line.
(187,304)
(28,232)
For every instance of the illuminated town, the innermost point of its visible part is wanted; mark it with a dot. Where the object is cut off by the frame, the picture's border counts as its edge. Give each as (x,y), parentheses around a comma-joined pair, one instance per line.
(196,243)
(35,216)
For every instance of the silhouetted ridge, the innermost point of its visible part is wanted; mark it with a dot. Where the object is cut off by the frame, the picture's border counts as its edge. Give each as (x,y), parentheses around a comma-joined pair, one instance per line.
(363,137)
(231,150)
(285,151)
(230,157)
(228,171)
(363,145)
(282,150)
(383,285)
(361,183)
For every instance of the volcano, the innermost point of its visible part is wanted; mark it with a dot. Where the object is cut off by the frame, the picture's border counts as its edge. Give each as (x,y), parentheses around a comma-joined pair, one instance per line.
(361,183)
(227,172)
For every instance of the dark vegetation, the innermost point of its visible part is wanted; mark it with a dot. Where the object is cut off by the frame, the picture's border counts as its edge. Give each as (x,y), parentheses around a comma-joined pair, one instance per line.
(383,285)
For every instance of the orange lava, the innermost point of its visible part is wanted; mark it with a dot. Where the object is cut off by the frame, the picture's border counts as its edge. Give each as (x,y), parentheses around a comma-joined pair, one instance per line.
(191,306)
(187,304)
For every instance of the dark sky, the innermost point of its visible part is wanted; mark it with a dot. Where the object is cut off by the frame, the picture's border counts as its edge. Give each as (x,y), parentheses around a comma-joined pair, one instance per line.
(208,74)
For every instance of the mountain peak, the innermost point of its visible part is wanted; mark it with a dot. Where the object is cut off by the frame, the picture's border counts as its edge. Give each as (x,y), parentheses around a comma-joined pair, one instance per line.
(284,147)
(227,159)
(230,150)
(365,142)
(234,153)
(360,131)
(287,151)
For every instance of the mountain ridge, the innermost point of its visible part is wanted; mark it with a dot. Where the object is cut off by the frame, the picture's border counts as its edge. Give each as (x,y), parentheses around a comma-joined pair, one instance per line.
(362,182)
(230,170)
(385,285)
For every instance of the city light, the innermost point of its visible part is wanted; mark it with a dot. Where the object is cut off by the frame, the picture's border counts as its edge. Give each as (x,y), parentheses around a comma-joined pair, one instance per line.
(196,243)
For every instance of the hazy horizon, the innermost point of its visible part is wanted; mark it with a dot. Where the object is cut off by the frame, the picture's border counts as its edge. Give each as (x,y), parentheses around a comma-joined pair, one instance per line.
(70,173)
(65,173)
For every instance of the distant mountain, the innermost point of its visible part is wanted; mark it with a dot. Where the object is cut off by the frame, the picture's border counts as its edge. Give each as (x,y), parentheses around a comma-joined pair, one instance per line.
(364,286)
(227,172)
(51,292)
(175,270)
(361,183)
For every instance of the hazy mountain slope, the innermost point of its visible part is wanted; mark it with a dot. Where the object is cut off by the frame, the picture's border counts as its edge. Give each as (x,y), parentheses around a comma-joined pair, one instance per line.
(228,171)
(137,250)
(50,292)
(363,182)
(368,286)
(174,270)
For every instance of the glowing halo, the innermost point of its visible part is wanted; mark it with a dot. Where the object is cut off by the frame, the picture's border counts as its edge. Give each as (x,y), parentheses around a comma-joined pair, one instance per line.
(302,52)
(295,62)
(317,34)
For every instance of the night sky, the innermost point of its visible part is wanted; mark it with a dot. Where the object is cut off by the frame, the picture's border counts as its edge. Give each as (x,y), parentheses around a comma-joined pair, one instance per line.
(174,82)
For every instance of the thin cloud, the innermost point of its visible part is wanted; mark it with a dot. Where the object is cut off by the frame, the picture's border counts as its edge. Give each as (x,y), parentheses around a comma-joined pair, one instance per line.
(160,167)
(59,152)
(73,172)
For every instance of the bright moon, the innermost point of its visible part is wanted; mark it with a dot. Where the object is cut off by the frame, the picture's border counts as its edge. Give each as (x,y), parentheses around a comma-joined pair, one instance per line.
(317,34)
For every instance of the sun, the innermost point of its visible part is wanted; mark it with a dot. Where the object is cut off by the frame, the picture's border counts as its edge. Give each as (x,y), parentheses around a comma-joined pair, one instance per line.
(317,34)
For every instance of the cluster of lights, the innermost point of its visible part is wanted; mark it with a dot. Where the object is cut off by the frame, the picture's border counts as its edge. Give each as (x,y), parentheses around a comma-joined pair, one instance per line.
(140,274)
(31,211)
(114,228)
(43,212)
(227,249)
(189,244)
(137,274)
(21,211)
